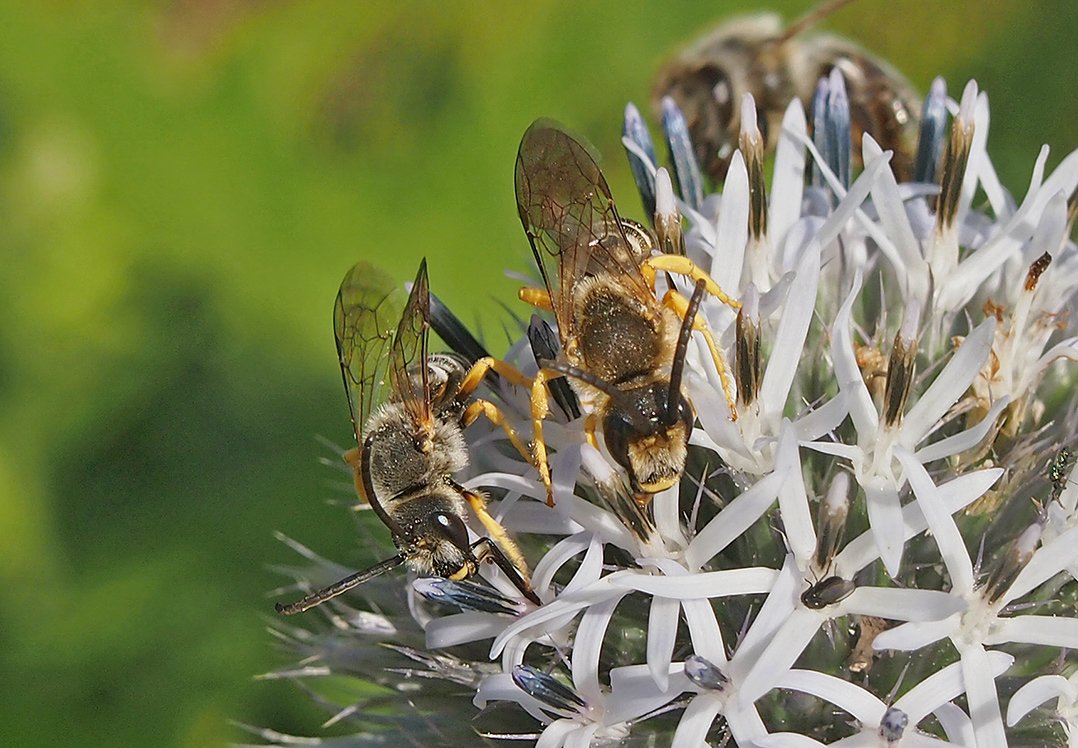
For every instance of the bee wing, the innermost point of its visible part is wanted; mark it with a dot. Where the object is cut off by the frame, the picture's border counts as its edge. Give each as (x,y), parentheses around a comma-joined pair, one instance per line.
(408,356)
(569,216)
(365,316)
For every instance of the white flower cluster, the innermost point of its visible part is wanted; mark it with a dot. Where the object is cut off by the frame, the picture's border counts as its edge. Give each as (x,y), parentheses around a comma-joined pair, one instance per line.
(886,529)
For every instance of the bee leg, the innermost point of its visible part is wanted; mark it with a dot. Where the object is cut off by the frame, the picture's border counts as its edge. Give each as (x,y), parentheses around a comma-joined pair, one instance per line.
(494,414)
(680,304)
(540,407)
(680,265)
(495,530)
(485,549)
(591,422)
(353,458)
(537,297)
(484,366)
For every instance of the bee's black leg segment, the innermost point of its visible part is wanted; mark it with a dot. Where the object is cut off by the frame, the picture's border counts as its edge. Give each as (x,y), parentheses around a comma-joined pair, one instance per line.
(485,549)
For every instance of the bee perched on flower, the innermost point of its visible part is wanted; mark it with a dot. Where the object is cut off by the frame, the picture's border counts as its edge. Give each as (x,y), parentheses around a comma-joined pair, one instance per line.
(881,547)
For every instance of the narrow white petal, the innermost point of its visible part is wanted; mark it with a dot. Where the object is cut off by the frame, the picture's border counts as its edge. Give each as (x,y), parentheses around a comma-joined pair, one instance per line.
(589,570)
(909,264)
(780,603)
(859,702)
(587,646)
(1036,692)
(781,653)
(500,687)
(862,410)
(1049,631)
(943,686)
(787,740)
(633,692)
(704,631)
(558,556)
(982,698)
(885,518)
(956,724)
(899,604)
(852,200)
(944,530)
(662,631)
(565,605)
(793,500)
(696,721)
(581,738)
(753,580)
(822,420)
(920,740)
(789,340)
(954,495)
(733,226)
(949,385)
(556,733)
(845,451)
(1050,559)
(667,514)
(733,520)
(788,177)
(963,440)
(449,631)
(910,636)
(745,725)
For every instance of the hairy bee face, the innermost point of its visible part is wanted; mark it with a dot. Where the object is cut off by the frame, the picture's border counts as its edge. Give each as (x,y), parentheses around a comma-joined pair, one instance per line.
(645,440)
(757,55)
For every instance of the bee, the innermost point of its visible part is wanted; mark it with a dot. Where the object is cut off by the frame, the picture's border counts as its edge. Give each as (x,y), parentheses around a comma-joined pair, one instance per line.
(776,64)
(408,411)
(622,350)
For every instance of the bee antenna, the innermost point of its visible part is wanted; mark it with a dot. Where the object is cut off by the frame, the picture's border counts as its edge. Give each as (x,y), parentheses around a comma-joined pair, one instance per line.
(584,376)
(681,352)
(810,19)
(337,588)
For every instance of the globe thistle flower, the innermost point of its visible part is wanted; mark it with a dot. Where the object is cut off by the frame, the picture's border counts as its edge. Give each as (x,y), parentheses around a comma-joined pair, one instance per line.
(878,546)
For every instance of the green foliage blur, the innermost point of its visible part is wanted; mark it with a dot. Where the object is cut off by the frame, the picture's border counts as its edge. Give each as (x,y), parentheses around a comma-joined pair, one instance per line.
(182,186)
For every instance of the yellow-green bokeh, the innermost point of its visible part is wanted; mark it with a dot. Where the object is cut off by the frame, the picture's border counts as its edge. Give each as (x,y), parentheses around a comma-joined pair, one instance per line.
(183,184)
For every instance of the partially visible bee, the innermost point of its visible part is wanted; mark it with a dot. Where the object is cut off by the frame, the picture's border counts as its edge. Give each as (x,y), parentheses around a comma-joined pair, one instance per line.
(622,349)
(410,440)
(756,54)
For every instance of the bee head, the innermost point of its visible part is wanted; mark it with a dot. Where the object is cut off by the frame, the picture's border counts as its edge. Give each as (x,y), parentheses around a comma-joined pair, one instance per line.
(648,437)
(443,540)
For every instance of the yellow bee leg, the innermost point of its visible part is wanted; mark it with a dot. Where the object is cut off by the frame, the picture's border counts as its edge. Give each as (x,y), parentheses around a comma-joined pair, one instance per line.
(680,305)
(494,414)
(497,532)
(353,458)
(540,407)
(484,366)
(591,422)
(537,297)
(684,266)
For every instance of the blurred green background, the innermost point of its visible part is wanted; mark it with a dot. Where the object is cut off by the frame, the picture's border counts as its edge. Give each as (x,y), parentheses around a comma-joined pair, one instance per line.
(182,186)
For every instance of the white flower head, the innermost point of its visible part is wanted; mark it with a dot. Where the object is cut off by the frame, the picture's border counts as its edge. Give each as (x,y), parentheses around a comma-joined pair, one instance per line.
(897,354)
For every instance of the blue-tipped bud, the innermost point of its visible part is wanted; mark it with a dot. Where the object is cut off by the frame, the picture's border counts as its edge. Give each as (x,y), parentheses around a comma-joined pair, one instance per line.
(704,673)
(466,595)
(686,169)
(838,127)
(547,689)
(636,131)
(893,725)
(933,127)
(819,129)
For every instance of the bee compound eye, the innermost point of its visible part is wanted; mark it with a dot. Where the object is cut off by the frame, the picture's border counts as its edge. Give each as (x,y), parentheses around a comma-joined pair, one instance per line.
(453,528)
